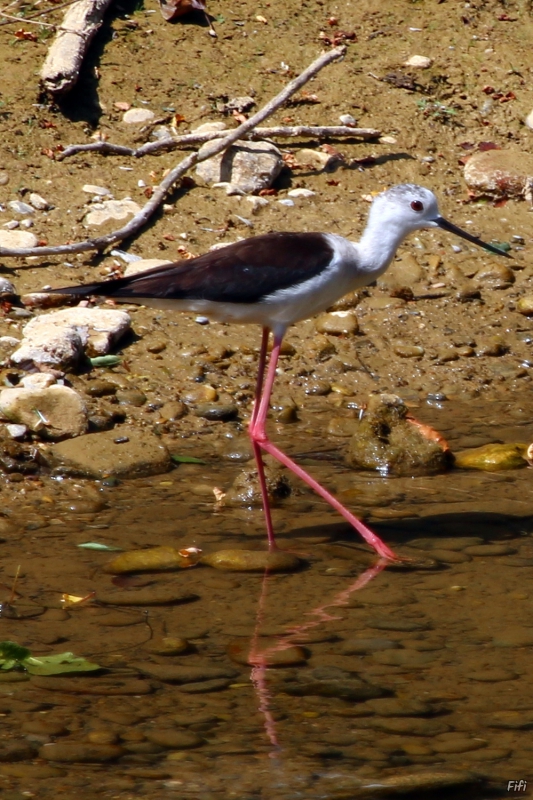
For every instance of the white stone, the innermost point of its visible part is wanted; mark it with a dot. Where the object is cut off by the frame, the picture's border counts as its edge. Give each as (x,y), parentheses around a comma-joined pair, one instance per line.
(136,116)
(38,380)
(19,207)
(419,62)
(55,412)
(249,166)
(39,202)
(59,339)
(348,119)
(92,188)
(143,264)
(16,431)
(210,127)
(9,341)
(111,209)
(17,239)
(12,224)
(529,120)
(301,193)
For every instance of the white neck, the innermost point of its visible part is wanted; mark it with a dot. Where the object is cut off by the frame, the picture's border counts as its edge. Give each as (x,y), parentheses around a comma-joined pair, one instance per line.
(378,244)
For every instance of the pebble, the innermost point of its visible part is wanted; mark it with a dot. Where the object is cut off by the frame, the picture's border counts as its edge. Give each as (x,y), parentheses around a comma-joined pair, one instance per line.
(143,264)
(253,560)
(338,323)
(216,411)
(496,276)
(109,210)
(16,431)
(174,673)
(405,350)
(205,393)
(152,559)
(80,752)
(499,173)
(18,207)
(364,646)
(512,720)
(39,202)
(528,121)
(348,119)
(18,239)
(410,726)
(490,550)
(137,116)
(301,193)
(268,653)
(390,624)
(168,646)
(131,397)
(4,178)
(525,305)
(492,457)
(419,62)
(172,739)
(92,188)
(156,595)
(410,659)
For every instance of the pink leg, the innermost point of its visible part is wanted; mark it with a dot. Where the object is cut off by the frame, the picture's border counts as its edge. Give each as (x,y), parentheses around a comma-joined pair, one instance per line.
(260,441)
(256,446)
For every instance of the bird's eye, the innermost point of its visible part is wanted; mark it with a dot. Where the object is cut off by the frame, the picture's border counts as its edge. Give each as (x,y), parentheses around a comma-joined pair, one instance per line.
(417,205)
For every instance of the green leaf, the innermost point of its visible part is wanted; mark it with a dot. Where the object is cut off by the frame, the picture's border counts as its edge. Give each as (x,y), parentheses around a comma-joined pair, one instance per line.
(109,548)
(187,460)
(13,652)
(58,664)
(105,361)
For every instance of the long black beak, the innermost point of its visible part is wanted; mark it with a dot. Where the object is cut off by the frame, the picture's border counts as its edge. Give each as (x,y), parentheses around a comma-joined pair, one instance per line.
(451,228)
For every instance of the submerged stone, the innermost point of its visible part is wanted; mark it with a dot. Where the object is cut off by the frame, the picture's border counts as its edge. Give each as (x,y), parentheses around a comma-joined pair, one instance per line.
(386,441)
(252,560)
(152,559)
(493,457)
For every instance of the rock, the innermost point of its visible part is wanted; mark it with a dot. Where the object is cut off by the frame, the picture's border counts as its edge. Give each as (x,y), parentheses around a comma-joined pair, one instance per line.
(529,120)
(37,380)
(268,653)
(315,159)
(59,339)
(6,288)
(493,457)
(216,411)
(338,323)
(39,202)
(18,207)
(157,595)
(98,455)
(109,210)
(54,412)
(174,673)
(248,166)
(16,239)
(386,441)
(252,560)
(525,305)
(301,193)
(172,739)
(99,191)
(144,264)
(499,173)
(80,752)
(246,491)
(137,116)
(496,276)
(152,559)
(419,62)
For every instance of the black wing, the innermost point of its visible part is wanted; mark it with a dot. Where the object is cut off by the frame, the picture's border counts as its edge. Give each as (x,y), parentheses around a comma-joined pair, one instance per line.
(243,272)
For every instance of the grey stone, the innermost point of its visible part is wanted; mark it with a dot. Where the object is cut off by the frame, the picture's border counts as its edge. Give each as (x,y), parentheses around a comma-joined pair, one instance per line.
(248,166)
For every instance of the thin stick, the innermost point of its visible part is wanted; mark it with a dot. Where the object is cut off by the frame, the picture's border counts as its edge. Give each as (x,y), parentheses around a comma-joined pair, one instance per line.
(217,146)
(174,142)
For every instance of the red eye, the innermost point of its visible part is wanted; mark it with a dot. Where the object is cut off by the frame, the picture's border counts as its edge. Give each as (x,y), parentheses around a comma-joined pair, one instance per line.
(416,205)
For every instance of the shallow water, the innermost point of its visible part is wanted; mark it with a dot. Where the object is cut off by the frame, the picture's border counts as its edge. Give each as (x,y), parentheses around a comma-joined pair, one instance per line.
(419,679)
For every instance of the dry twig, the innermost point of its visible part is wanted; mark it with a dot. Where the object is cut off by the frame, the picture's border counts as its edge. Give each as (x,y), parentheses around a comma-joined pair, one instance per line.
(217,146)
(187,139)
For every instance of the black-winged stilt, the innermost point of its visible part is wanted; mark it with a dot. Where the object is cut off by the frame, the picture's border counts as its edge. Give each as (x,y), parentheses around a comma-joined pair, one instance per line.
(277,279)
